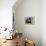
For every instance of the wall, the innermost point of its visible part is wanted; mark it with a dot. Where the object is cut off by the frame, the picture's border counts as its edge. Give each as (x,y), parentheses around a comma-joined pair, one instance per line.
(43,22)
(25,9)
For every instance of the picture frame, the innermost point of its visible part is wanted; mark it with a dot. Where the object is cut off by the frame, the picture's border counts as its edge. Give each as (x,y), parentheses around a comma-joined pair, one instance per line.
(30,20)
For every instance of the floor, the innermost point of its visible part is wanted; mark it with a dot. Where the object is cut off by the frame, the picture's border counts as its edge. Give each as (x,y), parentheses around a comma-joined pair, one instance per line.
(9,43)
(12,42)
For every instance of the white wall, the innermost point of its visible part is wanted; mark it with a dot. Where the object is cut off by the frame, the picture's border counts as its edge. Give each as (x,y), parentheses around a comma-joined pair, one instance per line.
(6,13)
(25,28)
(43,22)
(25,9)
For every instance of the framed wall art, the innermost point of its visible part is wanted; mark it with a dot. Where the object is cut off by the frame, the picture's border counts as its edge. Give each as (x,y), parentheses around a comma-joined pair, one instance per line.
(30,20)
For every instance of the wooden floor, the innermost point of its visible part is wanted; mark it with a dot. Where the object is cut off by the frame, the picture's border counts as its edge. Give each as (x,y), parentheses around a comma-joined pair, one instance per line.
(12,42)
(9,43)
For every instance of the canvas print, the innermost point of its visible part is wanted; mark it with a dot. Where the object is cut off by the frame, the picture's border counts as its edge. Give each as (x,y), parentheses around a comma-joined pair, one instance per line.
(30,20)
